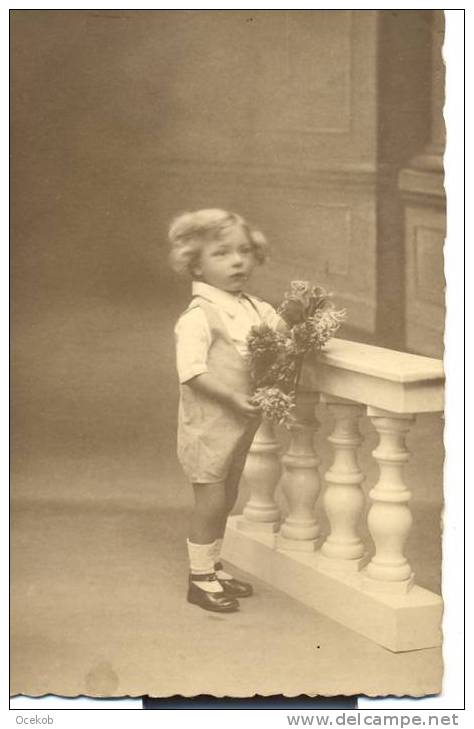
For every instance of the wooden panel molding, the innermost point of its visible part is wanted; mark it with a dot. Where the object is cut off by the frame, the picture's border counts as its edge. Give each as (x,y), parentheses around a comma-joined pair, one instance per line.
(361,176)
(428,265)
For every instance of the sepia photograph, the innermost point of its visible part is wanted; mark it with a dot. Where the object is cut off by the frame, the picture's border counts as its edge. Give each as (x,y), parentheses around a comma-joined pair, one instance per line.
(227,341)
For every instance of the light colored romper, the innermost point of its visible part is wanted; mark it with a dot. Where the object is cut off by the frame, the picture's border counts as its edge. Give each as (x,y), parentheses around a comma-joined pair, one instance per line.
(212,437)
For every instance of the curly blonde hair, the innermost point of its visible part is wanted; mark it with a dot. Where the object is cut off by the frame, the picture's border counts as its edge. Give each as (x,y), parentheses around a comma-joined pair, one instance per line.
(189,232)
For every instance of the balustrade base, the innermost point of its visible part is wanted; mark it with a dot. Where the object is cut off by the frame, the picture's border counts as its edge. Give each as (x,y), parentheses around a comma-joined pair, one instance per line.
(296,545)
(341,565)
(399,622)
(264,527)
(394,588)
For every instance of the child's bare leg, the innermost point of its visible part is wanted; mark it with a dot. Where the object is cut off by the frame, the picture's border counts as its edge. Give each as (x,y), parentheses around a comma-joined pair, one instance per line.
(232,481)
(233,586)
(209,514)
(204,588)
(232,489)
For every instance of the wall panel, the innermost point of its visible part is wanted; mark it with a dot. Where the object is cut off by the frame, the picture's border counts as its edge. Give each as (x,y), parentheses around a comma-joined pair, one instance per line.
(425,309)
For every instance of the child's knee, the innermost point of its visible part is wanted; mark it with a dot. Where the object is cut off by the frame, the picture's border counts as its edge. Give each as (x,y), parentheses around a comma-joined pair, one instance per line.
(211,499)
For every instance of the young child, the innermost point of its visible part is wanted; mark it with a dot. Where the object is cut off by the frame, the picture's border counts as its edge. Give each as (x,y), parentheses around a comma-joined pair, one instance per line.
(216,420)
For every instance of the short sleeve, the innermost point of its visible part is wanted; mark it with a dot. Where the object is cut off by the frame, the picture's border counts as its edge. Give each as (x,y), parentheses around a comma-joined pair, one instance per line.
(193,339)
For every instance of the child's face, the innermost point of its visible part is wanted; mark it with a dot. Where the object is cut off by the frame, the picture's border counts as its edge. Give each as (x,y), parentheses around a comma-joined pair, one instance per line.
(228,261)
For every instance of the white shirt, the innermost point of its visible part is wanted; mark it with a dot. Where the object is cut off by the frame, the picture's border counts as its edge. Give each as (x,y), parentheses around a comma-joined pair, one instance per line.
(238,313)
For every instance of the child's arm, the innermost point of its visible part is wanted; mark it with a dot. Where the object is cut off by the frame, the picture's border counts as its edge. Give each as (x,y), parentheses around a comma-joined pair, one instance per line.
(211,386)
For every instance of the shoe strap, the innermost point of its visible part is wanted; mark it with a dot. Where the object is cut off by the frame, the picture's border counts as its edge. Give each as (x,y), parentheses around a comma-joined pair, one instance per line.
(207,577)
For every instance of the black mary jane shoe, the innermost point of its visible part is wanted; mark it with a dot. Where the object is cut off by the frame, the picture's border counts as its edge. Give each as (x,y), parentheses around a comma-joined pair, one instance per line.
(233,587)
(217,602)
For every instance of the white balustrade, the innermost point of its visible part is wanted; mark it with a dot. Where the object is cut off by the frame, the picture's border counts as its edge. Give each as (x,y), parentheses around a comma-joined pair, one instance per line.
(376,597)
(343,498)
(262,472)
(389,519)
(300,483)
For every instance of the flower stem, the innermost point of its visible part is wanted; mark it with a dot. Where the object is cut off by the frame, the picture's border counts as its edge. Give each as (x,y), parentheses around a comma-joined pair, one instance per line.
(299,367)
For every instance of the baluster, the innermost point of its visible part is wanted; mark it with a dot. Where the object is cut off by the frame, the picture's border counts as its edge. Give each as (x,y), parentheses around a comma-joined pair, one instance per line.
(389,519)
(343,498)
(262,472)
(300,483)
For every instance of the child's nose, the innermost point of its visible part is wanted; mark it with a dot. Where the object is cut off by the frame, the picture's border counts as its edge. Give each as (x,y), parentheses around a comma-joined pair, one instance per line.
(237,259)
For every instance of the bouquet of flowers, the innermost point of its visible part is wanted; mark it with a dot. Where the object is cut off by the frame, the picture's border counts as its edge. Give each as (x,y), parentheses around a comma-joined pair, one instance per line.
(276,357)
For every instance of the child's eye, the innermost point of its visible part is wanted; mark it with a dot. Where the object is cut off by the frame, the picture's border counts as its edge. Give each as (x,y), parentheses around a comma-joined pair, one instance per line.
(220,252)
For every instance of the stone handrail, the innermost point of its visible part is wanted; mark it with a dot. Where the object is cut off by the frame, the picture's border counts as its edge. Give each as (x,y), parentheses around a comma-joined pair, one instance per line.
(368,587)
(383,378)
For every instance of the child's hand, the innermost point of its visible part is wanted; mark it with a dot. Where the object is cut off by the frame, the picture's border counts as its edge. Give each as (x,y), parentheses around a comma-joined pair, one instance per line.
(243,404)
(292,312)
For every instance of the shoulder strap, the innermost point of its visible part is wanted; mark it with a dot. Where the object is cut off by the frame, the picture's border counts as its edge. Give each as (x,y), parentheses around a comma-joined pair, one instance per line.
(253,300)
(215,323)
(212,314)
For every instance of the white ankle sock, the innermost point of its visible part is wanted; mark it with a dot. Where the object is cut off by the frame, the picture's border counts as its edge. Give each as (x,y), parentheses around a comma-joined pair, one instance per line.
(221,575)
(201,562)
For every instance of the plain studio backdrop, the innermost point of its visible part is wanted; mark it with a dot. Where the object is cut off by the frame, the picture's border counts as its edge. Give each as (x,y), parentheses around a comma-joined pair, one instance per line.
(303,122)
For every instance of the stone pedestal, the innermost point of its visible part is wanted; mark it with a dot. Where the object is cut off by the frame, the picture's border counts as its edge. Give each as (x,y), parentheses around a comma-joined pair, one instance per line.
(399,622)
